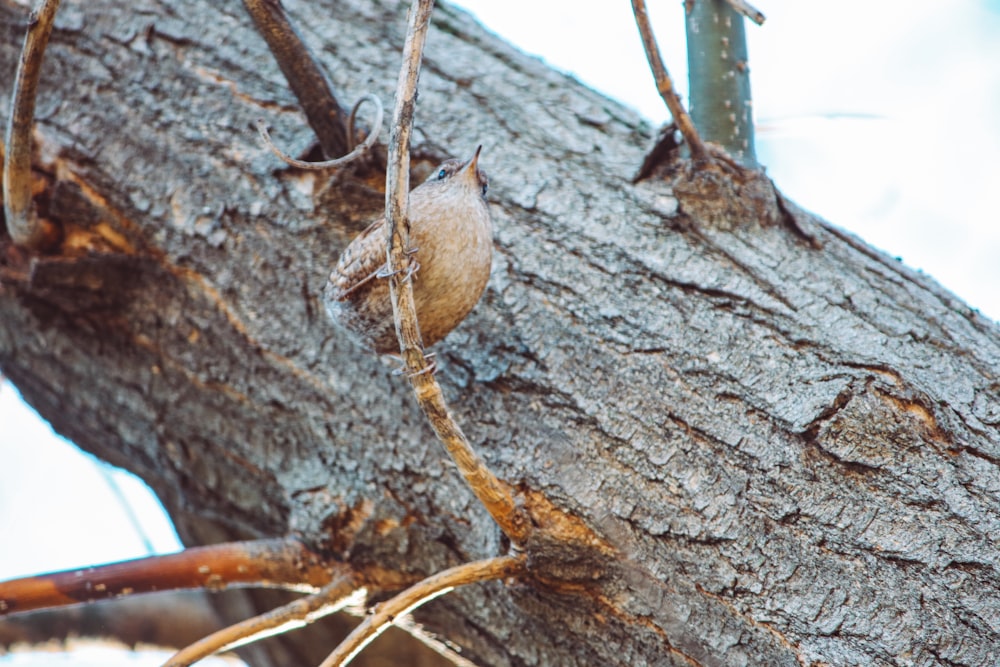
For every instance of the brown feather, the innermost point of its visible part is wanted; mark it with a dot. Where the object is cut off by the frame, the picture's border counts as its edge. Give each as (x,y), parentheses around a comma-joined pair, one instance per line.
(450,229)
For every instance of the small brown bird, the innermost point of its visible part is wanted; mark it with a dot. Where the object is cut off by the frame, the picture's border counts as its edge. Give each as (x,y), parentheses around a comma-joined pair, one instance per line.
(452,235)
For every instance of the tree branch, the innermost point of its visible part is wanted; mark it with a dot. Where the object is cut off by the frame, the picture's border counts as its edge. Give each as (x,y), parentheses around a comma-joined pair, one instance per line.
(305,77)
(330,599)
(279,563)
(664,85)
(494,495)
(23,223)
(418,594)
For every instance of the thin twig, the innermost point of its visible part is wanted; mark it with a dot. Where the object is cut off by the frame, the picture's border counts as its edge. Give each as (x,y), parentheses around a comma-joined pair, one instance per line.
(280,563)
(451,656)
(305,77)
(357,152)
(494,495)
(23,223)
(428,589)
(297,614)
(663,83)
(748,11)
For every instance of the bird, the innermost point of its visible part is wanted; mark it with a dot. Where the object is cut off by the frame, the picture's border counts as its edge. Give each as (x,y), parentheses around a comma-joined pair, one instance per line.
(451,235)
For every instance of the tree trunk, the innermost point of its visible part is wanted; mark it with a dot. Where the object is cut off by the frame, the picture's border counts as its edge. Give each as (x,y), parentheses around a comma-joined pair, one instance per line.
(794,450)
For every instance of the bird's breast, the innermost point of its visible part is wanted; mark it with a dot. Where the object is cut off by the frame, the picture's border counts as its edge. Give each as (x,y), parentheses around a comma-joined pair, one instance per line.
(454,252)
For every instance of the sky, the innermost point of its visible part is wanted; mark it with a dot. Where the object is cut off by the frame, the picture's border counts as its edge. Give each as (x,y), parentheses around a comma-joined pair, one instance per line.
(881,117)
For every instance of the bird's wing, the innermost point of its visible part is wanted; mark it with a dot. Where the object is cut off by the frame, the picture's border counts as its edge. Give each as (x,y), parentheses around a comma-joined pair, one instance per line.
(360,262)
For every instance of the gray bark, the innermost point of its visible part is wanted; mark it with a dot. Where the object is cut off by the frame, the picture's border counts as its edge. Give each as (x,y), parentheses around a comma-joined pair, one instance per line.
(793,450)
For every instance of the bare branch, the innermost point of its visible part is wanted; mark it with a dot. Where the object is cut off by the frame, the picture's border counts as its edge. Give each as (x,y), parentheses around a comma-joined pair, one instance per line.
(494,495)
(357,152)
(428,589)
(664,85)
(23,223)
(748,11)
(305,77)
(281,563)
(330,599)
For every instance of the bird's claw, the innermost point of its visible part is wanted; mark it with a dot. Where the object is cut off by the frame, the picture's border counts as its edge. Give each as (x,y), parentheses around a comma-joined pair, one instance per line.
(431,367)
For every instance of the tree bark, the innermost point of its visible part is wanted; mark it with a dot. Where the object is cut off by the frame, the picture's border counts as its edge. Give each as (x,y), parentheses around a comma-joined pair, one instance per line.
(793,450)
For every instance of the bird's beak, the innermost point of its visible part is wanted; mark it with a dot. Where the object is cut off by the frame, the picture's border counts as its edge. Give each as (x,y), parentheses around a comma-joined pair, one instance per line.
(472,165)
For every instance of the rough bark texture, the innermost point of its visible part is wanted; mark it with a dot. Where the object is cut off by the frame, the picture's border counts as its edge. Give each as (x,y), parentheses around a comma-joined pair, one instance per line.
(794,450)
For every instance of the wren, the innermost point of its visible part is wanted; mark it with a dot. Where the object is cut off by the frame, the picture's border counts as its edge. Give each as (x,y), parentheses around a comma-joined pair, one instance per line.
(452,237)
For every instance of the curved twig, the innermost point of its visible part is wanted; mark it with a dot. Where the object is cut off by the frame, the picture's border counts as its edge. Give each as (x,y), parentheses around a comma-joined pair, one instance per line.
(355,153)
(305,77)
(280,563)
(23,223)
(330,599)
(428,589)
(353,116)
(494,495)
(664,85)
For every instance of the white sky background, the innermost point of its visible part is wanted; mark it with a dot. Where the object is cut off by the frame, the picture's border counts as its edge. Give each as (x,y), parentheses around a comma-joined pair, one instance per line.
(882,117)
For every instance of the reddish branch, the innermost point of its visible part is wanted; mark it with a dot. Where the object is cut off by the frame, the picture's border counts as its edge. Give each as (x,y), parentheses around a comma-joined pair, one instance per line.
(279,563)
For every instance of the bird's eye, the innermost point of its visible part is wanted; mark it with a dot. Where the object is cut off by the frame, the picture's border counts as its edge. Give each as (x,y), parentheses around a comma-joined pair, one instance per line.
(485,188)
(442,174)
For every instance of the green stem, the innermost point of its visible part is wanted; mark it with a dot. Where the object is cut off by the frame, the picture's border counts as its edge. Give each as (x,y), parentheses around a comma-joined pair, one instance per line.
(719,77)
